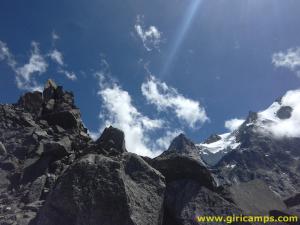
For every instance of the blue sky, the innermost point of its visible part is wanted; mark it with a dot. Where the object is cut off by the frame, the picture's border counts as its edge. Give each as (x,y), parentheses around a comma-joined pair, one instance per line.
(153,68)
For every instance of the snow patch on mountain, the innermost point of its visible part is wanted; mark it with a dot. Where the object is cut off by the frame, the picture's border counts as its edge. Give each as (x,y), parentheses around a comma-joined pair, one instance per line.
(282,118)
(227,140)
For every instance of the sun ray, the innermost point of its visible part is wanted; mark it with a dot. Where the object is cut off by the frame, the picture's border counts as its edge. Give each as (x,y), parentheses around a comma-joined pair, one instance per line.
(180,36)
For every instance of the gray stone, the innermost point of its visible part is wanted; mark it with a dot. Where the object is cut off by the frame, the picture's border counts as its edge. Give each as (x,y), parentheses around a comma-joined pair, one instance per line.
(2,149)
(35,190)
(187,199)
(255,198)
(101,190)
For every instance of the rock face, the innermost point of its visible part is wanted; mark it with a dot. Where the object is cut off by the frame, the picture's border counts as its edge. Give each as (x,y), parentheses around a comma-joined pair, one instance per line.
(103,190)
(34,153)
(187,199)
(255,198)
(183,146)
(51,172)
(261,156)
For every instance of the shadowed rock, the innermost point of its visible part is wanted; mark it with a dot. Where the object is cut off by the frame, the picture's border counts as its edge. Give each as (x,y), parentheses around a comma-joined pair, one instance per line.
(112,140)
(285,112)
(101,190)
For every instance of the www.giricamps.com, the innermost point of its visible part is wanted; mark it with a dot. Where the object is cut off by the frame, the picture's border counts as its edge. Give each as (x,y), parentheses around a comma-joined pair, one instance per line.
(246,219)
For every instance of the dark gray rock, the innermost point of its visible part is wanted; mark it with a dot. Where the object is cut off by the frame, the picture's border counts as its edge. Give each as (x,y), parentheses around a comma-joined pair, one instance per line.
(32,102)
(187,199)
(65,119)
(2,149)
(177,167)
(212,138)
(102,190)
(284,112)
(183,146)
(35,190)
(58,149)
(255,198)
(112,141)
(293,201)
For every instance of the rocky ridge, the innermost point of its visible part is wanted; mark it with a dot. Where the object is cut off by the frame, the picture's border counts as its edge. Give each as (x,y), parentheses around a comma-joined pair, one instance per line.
(52,172)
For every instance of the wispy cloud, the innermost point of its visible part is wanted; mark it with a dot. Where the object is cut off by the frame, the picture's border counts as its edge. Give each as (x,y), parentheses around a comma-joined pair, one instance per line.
(37,65)
(55,36)
(6,55)
(57,57)
(233,124)
(289,59)
(167,98)
(25,75)
(151,36)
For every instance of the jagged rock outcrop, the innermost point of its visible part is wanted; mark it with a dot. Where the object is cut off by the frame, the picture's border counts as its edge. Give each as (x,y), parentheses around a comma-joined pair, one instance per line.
(187,199)
(34,152)
(183,146)
(178,167)
(52,172)
(191,188)
(102,190)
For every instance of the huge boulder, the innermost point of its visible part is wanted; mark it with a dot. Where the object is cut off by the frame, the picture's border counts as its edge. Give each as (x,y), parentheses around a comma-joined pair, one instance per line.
(103,190)
(65,119)
(32,102)
(111,142)
(183,146)
(177,167)
(187,199)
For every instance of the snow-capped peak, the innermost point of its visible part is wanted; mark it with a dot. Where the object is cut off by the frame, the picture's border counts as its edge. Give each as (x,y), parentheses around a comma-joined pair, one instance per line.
(282,118)
(226,141)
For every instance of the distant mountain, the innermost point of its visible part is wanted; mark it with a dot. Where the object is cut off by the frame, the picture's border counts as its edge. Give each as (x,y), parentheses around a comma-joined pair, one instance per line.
(266,146)
(52,172)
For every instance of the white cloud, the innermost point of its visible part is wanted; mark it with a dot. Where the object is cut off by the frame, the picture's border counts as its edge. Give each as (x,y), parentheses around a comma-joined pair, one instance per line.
(37,65)
(269,122)
(55,36)
(120,112)
(57,57)
(150,37)
(168,98)
(289,59)
(5,54)
(233,124)
(70,75)
(25,74)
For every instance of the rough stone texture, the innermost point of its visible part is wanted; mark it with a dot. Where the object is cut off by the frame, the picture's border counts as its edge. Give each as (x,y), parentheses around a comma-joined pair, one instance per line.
(32,102)
(112,140)
(51,172)
(261,156)
(35,153)
(255,198)
(177,167)
(103,190)
(2,150)
(293,201)
(187,199)
(183,146)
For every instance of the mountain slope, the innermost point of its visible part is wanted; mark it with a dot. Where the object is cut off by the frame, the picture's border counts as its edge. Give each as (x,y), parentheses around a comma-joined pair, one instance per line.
(52,172)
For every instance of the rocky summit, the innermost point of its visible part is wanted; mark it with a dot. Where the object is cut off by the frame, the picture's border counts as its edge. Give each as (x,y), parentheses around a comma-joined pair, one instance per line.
(53,173)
